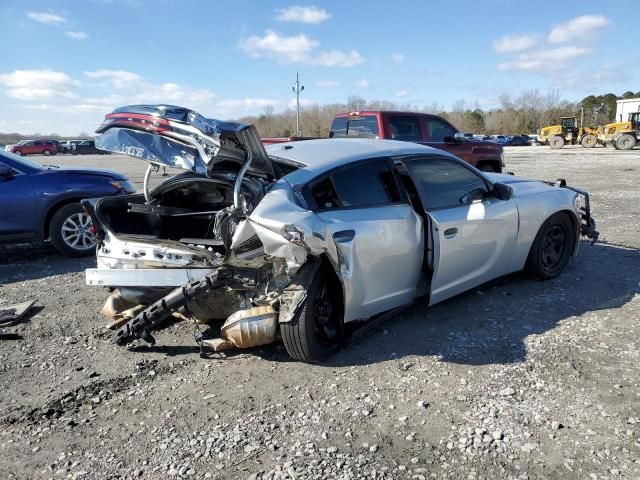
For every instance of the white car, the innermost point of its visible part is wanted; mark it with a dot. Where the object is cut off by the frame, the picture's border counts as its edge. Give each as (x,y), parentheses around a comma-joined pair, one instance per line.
(308,236)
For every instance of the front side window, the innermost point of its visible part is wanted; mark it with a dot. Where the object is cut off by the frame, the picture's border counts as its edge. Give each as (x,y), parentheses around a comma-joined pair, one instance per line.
(443,183)
(439,130)
(365,184)
(365,126)
(405,128)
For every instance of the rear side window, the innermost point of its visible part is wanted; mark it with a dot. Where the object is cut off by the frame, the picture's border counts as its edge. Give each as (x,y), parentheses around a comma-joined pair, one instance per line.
(405,128)
(365,184)
(365,126)
(443,183)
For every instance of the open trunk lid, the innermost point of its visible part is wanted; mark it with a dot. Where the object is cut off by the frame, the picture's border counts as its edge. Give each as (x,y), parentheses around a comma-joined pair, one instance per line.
(178,137)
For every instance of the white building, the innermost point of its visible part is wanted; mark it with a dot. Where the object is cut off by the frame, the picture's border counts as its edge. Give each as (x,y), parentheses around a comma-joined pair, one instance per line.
(625,107)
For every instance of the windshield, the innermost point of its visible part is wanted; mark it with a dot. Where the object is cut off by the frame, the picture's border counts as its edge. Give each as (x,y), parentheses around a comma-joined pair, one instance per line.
(19,162)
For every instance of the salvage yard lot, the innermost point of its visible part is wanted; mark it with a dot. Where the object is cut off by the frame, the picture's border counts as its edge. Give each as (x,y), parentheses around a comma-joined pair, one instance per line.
(516,379)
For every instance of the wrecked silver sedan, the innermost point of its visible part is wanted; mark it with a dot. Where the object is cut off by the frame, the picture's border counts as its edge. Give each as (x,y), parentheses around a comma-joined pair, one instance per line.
(302,239)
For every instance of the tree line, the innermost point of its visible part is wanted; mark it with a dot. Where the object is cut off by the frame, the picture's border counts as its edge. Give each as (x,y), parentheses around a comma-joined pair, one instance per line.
(525,113)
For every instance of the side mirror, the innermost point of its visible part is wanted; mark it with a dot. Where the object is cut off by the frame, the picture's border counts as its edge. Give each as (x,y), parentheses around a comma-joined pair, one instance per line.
(458,137)
(502,191)
(5,172)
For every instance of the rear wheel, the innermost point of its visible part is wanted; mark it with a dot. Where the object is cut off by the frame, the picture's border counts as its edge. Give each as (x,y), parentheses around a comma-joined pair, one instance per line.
(315,331)
(552,247)
(589,141)
(487,167)
(626,141)
(70,231)
(556,142)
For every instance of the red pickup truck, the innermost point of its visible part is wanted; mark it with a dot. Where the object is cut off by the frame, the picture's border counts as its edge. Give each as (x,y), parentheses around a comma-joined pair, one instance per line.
(423,128)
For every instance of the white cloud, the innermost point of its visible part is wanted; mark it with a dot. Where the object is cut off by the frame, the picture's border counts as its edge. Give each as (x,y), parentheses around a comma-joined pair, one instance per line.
(515,43)
(117,78)
(38,84)
(402,93)
(337,58)
(77,35)
(580,28)
(46,18)
(300,14)
(328,84)
(285,49)
(397,57)
(362,83)
(546,60)
(297,49)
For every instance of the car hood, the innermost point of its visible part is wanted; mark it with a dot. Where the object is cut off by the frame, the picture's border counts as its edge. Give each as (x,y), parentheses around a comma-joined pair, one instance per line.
(100,172)
(179,137)
(521,186)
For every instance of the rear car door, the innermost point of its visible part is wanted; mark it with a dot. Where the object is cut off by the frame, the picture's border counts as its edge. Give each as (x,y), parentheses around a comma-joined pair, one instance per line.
(474,233)
(17,201)
(378,235)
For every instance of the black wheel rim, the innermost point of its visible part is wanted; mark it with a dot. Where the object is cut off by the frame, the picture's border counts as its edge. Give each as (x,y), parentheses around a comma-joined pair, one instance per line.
(554,245)
(325,317)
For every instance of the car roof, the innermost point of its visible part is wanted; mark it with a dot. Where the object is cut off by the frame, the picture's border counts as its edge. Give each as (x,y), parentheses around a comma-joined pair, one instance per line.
(319,156)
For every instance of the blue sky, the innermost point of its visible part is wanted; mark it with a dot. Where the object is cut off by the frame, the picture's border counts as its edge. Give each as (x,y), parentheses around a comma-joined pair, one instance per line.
(66,63)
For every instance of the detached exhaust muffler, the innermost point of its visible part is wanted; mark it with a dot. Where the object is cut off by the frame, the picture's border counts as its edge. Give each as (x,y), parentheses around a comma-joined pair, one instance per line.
(246,328)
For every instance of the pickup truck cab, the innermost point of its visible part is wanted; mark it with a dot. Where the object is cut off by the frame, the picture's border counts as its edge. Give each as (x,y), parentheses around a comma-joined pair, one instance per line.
(422,128)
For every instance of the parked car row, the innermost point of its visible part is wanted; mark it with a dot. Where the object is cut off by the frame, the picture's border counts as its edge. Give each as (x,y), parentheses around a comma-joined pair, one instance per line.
(54,147)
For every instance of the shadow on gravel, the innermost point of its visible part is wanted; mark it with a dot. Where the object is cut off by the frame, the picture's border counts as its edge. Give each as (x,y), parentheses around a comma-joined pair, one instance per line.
(489,324)
(19,263)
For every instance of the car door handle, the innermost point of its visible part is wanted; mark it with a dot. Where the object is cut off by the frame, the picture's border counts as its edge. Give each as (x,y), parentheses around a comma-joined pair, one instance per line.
(450,232)
(344,236)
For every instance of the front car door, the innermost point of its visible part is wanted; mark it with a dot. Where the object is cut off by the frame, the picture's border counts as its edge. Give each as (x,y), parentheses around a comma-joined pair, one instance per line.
(17,202)
(474,233)
(438,130)
(378,236)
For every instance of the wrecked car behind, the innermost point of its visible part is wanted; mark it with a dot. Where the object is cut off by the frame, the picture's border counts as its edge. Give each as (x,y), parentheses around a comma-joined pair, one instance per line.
(272,244)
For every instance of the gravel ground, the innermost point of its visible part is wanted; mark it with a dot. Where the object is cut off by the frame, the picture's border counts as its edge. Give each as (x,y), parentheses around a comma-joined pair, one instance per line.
(517,379)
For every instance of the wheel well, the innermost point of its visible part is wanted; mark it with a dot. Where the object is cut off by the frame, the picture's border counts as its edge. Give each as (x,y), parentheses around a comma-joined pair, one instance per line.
(52,211)
(496,164)
(329,270)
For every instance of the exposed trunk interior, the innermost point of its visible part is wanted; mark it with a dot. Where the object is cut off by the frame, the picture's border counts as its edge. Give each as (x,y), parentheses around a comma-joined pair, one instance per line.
(182,209)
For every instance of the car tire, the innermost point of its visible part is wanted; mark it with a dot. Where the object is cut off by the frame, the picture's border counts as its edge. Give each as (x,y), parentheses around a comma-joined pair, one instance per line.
(552,247)
(69,231)
(315,331)
(626,141)
(46,153)
(487,167)
(589,141)
(556,142)
(19,153)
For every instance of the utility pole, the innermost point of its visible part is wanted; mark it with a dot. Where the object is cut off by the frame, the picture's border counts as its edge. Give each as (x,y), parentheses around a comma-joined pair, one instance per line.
(297,88)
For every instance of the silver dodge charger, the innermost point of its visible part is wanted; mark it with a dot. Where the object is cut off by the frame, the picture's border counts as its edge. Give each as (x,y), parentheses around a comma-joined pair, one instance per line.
(303,239)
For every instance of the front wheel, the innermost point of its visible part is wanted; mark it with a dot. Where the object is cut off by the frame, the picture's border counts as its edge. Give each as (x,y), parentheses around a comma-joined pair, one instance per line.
(70,231)
(556,142)
(46,153)
(315,331)
(552,247)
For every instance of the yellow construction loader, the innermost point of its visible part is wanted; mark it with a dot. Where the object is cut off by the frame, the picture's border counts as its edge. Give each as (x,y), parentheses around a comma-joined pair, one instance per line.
(557,136)
(622,135)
